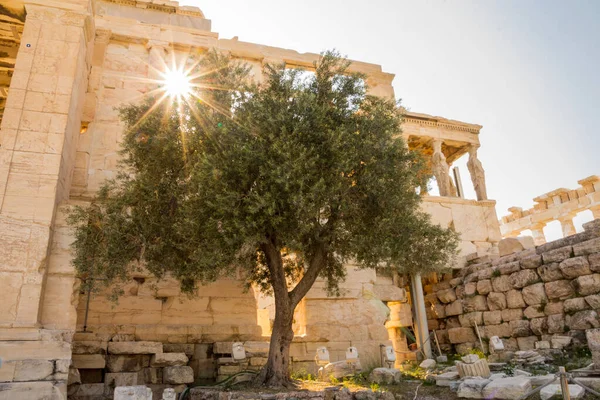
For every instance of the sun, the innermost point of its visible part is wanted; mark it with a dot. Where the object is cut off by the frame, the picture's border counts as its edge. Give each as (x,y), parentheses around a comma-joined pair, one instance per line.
(177,83)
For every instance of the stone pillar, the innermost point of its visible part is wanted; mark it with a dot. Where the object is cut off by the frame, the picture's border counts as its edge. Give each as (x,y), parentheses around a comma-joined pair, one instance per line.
(537,231)
(440,169)
(157,62)
(566,223)
(39,133)
(419,304)
(477,174)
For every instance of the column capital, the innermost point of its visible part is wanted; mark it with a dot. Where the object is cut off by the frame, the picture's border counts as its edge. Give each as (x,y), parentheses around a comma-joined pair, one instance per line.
(160,44)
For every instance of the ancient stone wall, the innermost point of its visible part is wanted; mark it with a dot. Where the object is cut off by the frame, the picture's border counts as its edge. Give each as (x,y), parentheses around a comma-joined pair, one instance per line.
(524,297)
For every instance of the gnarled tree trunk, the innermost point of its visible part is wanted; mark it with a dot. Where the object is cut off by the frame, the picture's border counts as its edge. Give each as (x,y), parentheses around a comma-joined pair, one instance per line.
(275,373)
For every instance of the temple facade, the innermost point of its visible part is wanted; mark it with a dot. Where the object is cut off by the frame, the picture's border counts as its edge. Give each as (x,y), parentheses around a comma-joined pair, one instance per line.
(64,67)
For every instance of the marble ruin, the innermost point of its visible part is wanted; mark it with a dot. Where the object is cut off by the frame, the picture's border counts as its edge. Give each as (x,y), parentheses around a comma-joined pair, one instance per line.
(558,205)
(63,69)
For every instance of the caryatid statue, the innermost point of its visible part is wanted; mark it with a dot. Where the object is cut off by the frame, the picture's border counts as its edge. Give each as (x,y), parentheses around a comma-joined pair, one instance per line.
(477,173)
(440,169)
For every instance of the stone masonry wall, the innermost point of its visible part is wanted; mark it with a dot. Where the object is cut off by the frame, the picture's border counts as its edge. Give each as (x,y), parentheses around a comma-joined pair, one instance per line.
(523,297)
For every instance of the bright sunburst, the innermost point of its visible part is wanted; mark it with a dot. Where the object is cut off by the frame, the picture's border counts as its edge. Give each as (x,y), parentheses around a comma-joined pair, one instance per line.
(177,83)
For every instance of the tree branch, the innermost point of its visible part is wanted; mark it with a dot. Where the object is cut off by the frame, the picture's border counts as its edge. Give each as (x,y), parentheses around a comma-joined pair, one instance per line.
(276,272)
(318,262)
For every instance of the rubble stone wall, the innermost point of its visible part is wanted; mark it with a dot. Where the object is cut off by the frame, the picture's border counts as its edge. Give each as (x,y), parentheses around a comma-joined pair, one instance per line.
(523,297)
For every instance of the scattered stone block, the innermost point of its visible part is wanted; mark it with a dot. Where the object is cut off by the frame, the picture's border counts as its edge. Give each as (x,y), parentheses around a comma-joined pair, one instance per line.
(539,380)
(507,388)
(472,388)
(446,378)
(496,344)
(428,364)
(169,394)
(554,392)
(477,368)
(470,358)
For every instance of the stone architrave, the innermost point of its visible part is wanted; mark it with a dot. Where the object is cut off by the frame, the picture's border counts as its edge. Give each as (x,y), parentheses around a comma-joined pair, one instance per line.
(477,174)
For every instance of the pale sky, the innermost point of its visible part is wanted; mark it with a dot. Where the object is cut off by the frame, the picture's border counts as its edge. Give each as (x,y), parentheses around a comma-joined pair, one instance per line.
(528,71)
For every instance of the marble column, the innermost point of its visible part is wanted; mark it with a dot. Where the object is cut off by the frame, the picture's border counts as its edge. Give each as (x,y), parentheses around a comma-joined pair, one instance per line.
(477,174)
(568,228)
(537,231)
(440,169)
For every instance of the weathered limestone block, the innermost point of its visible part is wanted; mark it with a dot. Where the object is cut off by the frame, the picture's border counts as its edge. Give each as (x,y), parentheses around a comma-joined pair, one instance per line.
(386,376)
(472,388)
(594,260)
(534,312)
(31,391)
(74,377)
(168,359)
(496,301)
(152,375)
(460,291)
(512,314)
(523,278)
(89,347)
(454,308)
(557,255)
(500,330)
(539,325)
(135,347)
(559,341)
(89,361)
(133,393)
(531,262)
(33,370)
(178,375)
(470,319)
(186,348)
(475,303)
(169,394)
(593,340)
(587,284)
(492,317)
(462,335)
(534,294)
(593,301)
(509,246)
(554,307)
(127,363)
(478,367)
(446,296)
(514,299)
(509,268)
(501,283)
(470,288)
(438,310)
(430,299)
(573,267)
(520,328)
(573,305)
(542,345)
(588,247)
(582,320)
(556,323)
(114,379)
(507,388)
(550,272)
(484,286)
(527,343)
(446,379)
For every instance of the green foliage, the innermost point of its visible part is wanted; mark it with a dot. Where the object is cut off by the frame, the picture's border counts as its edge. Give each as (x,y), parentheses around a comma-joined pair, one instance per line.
(478,352)
(292,177)
(509,368)
(375,387)
(496,273)
(302,375)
